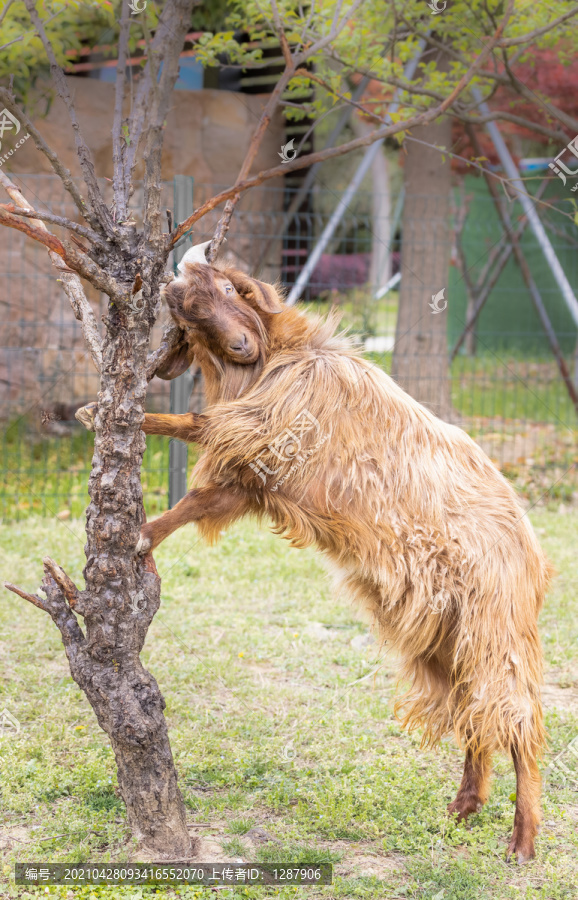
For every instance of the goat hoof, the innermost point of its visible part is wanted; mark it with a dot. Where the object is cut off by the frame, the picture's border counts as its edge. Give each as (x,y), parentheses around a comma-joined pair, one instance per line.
(464,806)
(144,546)
(86,415)
(523,850)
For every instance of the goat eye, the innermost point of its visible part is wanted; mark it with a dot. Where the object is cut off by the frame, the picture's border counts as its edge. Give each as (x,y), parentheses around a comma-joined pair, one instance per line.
(228,288)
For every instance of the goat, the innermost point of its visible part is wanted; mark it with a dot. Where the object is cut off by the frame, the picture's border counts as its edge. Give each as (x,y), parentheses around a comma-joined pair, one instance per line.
(416,522)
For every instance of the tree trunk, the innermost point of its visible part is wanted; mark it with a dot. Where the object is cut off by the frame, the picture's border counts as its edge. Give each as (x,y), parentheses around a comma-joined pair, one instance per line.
(420,358)
(121,597)
(380,268)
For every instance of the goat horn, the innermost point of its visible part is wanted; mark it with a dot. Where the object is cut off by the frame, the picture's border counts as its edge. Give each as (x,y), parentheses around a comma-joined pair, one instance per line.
(194,255)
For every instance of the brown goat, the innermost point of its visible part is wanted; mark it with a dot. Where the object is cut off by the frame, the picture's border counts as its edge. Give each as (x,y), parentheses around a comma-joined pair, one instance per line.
(417,523)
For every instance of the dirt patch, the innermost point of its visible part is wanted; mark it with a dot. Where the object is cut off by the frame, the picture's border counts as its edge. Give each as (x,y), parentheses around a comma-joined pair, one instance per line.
(17,836)
(554,696)
(361,863)
(210,848)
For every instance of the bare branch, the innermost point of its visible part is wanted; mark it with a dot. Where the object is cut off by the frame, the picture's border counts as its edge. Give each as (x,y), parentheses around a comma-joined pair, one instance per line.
(64,582)
(78,262)
(60,612)
(34,231)
(567,120)
(307,25)
(56,220)
(57,608)
(255,143)
(70,282)
(32,598)
(172,336)
(9,101)
(178,13)
(536,198)
(9,44)
(285,49)
(509,117)
(96,200)
(167,41)
(120,183)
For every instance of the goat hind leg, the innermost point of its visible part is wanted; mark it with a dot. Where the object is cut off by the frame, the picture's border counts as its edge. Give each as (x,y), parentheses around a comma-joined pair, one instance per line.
(527,815)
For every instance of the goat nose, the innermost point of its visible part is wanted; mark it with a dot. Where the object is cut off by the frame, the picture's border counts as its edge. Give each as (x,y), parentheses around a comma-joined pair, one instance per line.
(240,344)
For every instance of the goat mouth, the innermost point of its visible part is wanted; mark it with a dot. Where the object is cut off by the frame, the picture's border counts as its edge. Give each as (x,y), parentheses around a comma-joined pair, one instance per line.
(244,357)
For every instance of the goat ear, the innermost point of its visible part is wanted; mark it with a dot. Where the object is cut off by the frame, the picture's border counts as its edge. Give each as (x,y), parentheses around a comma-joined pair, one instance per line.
(181,356)
(259,294)
(177,363)
(175,293)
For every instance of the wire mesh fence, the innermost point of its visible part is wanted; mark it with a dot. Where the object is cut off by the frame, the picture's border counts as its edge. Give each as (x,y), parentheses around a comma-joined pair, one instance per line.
(504,385)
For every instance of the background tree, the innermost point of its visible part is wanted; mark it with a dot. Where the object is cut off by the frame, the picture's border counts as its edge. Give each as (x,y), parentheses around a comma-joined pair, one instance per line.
(128,262)
(420,355)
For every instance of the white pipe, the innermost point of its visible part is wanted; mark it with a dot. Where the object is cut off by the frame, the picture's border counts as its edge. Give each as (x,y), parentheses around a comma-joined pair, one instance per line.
(387,287)
(534,221)
(351,189)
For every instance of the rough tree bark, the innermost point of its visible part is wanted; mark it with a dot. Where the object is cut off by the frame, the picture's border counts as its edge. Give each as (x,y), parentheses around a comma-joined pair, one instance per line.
(124,595)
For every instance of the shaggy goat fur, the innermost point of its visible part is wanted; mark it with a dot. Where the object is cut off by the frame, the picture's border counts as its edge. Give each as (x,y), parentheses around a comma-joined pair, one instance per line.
(417,523)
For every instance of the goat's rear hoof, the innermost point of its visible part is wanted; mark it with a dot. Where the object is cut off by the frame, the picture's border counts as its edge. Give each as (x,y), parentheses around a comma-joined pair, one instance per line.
(86,415)
(521,848)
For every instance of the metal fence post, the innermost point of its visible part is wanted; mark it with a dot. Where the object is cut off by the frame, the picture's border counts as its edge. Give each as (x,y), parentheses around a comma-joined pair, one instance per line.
(181,386)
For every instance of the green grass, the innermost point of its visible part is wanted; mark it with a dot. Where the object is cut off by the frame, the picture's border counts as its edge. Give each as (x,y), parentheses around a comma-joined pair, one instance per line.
(275,724)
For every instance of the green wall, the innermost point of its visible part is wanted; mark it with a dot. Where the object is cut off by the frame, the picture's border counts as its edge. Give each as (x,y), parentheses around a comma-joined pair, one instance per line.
(509,320)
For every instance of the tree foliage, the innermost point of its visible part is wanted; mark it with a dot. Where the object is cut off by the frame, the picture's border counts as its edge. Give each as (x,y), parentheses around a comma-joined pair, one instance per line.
(381,38)
(70,25)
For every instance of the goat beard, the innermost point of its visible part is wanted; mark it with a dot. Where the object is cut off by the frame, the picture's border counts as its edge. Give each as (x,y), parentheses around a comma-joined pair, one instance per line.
(226,380)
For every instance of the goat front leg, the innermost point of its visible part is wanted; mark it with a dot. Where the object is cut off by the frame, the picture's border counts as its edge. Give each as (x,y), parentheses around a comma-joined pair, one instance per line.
(212,508)
(186,427)
(86,415)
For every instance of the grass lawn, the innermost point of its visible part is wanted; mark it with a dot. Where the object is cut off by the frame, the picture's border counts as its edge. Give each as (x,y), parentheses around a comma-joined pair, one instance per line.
(279,722)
